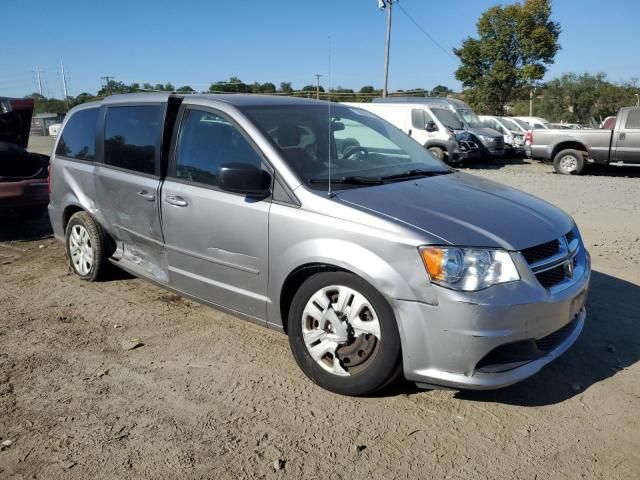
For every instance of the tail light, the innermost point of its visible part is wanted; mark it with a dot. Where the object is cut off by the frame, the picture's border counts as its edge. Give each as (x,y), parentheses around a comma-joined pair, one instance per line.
(528,139)
(49,177)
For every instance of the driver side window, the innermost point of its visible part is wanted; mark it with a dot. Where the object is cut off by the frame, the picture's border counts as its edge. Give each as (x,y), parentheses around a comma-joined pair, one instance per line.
(206,142)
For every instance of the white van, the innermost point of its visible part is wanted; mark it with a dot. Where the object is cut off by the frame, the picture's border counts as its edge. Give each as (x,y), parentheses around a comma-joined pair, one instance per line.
(439,130)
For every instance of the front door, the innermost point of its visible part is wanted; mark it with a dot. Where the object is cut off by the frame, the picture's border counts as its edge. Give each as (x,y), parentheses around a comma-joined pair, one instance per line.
(127,183)
(216,242)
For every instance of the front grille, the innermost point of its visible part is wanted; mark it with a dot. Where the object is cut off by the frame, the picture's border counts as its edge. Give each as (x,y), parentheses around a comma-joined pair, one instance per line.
(552,277)
(499,143)
(551,341)
(540,252)
(570,236)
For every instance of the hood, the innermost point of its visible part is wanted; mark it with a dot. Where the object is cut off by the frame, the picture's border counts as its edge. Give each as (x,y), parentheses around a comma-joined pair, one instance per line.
(487,132)
(464,210)
(15,120)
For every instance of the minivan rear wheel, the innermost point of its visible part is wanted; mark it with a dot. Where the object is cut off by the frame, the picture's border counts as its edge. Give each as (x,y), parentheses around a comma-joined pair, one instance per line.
(88,247)
(343,334)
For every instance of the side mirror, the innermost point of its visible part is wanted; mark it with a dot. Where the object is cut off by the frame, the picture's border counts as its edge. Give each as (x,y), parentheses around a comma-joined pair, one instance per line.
(431,126)
(244,178)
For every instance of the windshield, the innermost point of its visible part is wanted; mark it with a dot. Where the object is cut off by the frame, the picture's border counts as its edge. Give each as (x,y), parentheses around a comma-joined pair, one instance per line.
(470,118)
(510,124)
(522,123)
(360,145)
(448,118)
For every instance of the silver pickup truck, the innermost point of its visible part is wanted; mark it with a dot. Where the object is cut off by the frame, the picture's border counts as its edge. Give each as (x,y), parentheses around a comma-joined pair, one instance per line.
(571,150)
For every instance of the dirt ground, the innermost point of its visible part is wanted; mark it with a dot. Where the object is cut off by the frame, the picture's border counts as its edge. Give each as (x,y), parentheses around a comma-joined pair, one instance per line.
(207,395)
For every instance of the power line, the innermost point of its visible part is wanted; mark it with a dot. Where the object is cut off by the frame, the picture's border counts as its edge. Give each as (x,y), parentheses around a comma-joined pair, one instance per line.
(424,31)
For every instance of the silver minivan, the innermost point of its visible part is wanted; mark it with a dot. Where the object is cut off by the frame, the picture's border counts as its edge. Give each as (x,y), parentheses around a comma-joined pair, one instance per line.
(327,223)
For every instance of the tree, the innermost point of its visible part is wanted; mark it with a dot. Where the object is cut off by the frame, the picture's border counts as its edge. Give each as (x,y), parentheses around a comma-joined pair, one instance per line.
(185,89)
(515,44)
(234,85)
(285,87)
(267,87)
(440,91)
(312,88)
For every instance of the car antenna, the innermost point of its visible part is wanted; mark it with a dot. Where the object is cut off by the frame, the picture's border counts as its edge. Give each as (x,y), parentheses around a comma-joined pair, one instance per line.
(329,125)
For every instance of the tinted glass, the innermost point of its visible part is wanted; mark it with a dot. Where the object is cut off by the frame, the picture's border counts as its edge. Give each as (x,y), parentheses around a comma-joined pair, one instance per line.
(78,139)
(633,120)
(131,138)
(208,141)
(353,141)
(470,117)
(510,124)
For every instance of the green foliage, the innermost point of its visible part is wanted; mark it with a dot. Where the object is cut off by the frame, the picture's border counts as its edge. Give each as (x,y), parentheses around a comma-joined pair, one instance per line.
(515,44)
(440,91)
(185,89)
(285,87)
(581,98)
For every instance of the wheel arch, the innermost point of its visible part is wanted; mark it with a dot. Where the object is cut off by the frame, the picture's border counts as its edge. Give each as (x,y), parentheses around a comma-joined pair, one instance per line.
(568,145)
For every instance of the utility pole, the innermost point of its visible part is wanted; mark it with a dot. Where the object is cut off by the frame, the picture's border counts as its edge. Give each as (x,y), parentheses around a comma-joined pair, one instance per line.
(637,100)
(64,85)
(107,81)
(531,99)
(317,75)
(39,80)
(388,5)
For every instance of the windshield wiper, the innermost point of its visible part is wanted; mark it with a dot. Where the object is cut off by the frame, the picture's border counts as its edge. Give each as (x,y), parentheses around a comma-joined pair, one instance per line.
(415,173)
(352,180)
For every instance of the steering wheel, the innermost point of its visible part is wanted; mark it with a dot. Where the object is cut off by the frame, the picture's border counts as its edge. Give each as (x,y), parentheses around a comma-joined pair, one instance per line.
(359,154)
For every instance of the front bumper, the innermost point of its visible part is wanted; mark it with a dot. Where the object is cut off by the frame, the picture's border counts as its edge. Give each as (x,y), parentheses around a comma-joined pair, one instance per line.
(447,344)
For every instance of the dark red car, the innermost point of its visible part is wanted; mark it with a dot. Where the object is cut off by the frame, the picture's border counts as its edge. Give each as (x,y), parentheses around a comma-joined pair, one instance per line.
(24,188)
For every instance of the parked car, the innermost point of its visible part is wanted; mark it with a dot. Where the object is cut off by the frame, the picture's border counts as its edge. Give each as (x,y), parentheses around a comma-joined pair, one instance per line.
(571,150)
(373,257)
(490,142)
(535,123)
(23,175)
(513,136)
(447,141)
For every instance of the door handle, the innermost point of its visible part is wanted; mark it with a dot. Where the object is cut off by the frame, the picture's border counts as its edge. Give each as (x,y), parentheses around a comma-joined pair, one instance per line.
(622,136)
(147,196)
(410,132)
(177,201)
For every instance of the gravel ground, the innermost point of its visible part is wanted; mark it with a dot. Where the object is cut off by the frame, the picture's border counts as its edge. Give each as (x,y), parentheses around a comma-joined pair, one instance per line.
(206,395)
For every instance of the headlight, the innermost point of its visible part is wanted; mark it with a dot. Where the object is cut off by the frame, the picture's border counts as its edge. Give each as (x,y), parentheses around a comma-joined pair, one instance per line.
(468,269)
(486,139)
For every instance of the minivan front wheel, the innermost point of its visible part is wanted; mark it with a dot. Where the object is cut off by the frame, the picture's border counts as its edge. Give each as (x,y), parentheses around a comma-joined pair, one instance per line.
(343,334)
(88,247)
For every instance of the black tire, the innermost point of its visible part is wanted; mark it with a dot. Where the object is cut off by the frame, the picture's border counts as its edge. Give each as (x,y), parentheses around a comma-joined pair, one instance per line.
(101,244)
(439,153)
(381,368)
(569,162)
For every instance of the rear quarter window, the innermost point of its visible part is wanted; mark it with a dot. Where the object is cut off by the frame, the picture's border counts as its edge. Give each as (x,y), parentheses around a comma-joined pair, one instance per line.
(633,120)
(78,139)
(132,137)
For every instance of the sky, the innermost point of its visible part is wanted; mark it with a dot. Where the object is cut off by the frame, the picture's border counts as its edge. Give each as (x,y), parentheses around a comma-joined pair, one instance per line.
(197,42)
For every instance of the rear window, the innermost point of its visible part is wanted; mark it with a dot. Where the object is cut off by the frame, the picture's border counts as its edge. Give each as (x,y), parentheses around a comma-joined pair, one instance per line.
(132,136)
(633,120)
(78,139)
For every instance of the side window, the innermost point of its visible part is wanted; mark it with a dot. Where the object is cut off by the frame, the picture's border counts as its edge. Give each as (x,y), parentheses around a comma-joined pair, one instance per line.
(633,120)
(206,142)
(78,139)
(420,118)
(132,135)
